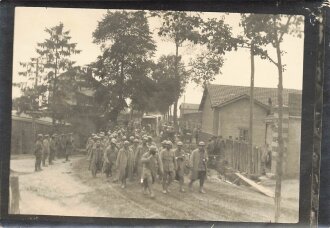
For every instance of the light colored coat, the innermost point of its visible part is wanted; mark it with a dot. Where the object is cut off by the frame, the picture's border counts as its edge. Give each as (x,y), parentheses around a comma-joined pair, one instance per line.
(122,162)
(194,163)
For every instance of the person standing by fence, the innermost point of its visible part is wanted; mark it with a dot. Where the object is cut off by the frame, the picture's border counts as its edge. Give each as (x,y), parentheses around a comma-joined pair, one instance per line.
(38,151)
(51,149)
(45,150)
(69,146)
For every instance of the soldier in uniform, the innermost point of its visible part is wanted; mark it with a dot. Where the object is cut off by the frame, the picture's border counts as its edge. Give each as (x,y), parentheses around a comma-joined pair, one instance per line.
(45,149)
(130,163)
(149,141)
(180,160)
(110,156)
(141,150)
(122,164)
(38,151)
(151,162)
(63,145)
(169,165)
(198,164)
(52,149)
(96,160)
(69,147)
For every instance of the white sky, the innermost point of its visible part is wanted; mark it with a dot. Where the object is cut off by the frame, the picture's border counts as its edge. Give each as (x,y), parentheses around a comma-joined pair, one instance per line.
(31,22)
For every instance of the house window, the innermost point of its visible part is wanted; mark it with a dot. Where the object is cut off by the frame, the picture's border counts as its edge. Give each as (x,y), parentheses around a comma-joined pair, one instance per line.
(244,134)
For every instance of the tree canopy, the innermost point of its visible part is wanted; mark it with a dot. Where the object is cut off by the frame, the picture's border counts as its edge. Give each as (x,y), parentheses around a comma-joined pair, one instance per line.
(127,46)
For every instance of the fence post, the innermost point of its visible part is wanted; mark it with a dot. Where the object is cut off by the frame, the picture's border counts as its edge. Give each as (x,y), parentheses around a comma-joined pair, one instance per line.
(15,196)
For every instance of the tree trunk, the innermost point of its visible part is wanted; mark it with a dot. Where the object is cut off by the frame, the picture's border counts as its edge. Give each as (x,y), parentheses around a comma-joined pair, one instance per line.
(175,117)
(54,93)
(251,109)
(279,161)
(175,109)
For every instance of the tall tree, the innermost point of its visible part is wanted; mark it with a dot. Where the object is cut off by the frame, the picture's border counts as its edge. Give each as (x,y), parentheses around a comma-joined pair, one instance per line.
(56,51)
(254,40)
(32,86)
(126,44)
(167,84)
(179,27)
(273,28)
(218,39)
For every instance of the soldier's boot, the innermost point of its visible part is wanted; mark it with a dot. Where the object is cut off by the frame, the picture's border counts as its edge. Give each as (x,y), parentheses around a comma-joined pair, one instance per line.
(152,195)
(182,189)
(190,186)
(201,190)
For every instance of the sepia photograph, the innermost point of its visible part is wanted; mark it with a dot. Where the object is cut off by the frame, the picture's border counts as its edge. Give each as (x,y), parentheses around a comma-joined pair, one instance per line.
(156,114)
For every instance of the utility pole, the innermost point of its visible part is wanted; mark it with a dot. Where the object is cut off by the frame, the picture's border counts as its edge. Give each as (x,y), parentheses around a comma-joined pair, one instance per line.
(33,113)
(251,109)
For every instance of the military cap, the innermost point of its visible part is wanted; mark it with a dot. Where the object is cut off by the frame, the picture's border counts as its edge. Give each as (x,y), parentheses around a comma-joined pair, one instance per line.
(39,135)
(152,148)
(126,143)
(123,138)
(201,143)
(136,140)
(131,138)
(164,142)
(168,142)
(114,141)
(179,143)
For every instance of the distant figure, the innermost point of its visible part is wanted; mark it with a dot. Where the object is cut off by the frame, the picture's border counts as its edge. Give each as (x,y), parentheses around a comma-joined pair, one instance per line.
(69,147)
(52,149)
(38,151)
(46,150)
(63,145)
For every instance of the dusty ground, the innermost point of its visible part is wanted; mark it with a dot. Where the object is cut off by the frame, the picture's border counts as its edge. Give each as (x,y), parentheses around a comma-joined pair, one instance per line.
(69,189)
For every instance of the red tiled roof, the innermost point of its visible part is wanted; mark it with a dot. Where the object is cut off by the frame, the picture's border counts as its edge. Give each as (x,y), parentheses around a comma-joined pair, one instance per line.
(220,94)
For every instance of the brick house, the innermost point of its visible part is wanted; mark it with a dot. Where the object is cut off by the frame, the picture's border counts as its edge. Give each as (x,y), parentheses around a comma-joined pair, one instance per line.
(226,109)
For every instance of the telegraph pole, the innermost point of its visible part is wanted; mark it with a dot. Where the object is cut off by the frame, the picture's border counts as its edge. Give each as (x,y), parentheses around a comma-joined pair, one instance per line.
(251,109)
(33,114)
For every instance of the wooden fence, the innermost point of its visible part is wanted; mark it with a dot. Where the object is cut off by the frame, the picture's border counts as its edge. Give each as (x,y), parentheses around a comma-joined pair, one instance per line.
(238,157)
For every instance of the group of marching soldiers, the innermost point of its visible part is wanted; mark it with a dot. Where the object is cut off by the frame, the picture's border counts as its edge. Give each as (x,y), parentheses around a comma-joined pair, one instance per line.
(48,148)
(136,157)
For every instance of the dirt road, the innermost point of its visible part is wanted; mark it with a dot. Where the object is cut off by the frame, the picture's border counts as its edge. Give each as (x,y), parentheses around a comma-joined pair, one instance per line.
(69,189)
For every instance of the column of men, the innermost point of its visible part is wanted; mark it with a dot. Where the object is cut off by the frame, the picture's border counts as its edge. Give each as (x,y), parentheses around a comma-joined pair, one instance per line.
(48,148)
(138,158)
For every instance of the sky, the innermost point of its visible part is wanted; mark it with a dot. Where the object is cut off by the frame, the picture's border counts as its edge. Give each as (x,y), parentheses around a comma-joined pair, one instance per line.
(30,23)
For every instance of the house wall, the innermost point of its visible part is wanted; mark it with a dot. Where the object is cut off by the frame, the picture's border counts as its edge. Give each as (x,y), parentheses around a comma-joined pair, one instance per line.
(207,119)
(292,163)
(234,116)
(22,140)
(192,120)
